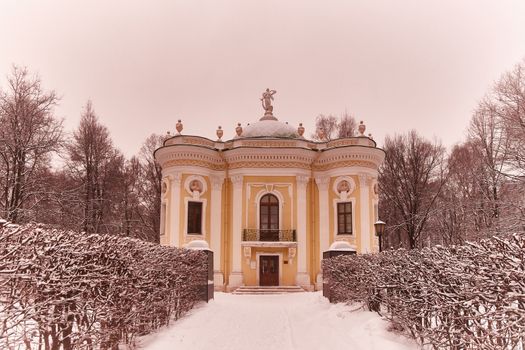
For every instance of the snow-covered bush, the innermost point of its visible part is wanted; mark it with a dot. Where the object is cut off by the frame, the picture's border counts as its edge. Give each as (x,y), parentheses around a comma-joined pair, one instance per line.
(61,289)
(464,297)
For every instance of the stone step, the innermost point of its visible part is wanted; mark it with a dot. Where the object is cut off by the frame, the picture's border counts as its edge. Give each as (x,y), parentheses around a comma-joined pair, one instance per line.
(258,290)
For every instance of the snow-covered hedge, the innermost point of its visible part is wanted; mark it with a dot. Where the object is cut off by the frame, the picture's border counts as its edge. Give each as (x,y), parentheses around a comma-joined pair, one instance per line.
(60,289)
(466,297)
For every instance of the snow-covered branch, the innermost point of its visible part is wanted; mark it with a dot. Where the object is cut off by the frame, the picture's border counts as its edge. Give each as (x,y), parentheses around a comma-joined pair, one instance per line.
(462,297)
(61,289)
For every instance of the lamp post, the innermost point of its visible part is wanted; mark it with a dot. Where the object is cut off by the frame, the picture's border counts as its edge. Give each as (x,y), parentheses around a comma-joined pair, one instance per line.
(380,229)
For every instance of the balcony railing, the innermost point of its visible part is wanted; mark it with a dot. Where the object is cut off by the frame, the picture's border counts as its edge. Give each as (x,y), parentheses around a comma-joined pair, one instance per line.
(259,235)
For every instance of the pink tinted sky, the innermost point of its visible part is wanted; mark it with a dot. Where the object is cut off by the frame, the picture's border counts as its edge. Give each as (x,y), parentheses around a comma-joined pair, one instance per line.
(397,65)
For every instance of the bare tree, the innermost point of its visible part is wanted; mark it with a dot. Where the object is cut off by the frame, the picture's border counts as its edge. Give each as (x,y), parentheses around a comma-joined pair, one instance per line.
(489,146)
(509,99)
(334,127)
(130,197)
(328,125)
(150,188)
(456,217)
(347,126)
(484,194)
(92,159)
(410,179)
(28,136)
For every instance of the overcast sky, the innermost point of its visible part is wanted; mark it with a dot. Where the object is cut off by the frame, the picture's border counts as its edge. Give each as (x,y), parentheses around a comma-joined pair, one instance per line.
(397,65)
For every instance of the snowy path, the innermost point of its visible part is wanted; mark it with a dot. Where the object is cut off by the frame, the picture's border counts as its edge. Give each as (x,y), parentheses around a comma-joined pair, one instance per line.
(299,321)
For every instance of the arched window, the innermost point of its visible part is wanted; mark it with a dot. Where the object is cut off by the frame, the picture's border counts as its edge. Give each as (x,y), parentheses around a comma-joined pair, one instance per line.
(269,217)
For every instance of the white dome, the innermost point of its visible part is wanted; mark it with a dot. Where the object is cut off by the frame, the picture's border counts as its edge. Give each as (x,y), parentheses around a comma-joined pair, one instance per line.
(341,245)
(269,128)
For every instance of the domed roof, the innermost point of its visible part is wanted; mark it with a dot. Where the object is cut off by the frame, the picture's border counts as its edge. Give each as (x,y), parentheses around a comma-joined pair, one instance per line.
(270,128)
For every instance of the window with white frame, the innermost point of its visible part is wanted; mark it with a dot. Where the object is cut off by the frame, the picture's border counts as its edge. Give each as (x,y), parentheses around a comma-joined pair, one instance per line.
(344,218)
(194,218)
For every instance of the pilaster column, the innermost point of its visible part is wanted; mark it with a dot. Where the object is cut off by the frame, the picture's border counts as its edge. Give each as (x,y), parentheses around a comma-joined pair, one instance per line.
(322,185)
(215,231)
(364,199)
(174,234)
(302,279)
(236,278)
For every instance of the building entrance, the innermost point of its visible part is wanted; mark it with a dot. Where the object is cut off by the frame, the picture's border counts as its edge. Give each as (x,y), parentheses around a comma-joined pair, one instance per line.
(269,270)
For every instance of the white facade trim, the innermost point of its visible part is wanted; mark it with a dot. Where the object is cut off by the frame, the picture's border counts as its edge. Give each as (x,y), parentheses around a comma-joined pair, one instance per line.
(302,278)
(345,171)
(236,278)
(302,182)
(215,229)
(364,200)
(257,244)
(194,170)
(322,185)
(175,184)
(269,172)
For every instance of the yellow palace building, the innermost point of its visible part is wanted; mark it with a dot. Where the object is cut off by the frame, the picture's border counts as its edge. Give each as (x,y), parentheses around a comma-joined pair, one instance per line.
(269,202)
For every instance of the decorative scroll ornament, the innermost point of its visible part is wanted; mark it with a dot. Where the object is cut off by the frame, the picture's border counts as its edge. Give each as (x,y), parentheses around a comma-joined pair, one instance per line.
(291,253)
(247,254)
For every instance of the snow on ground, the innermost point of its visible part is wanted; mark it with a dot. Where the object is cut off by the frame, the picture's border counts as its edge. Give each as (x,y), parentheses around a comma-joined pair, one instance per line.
(285,322)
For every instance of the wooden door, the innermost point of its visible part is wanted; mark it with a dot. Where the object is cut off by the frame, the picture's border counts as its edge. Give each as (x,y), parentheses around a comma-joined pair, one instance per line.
(269,270)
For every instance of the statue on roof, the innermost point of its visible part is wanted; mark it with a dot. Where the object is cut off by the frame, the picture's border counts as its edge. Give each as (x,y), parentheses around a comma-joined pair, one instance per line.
(266,100)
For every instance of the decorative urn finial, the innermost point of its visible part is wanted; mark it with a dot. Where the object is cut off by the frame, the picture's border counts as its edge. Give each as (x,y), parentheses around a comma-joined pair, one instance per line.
(300,129)
(361,128)
(220,132)
(238,129)
(179,126)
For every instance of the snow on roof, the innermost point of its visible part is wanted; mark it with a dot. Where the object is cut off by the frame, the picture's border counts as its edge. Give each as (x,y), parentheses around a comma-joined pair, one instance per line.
(198,244)
(342,245)
(270,128)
